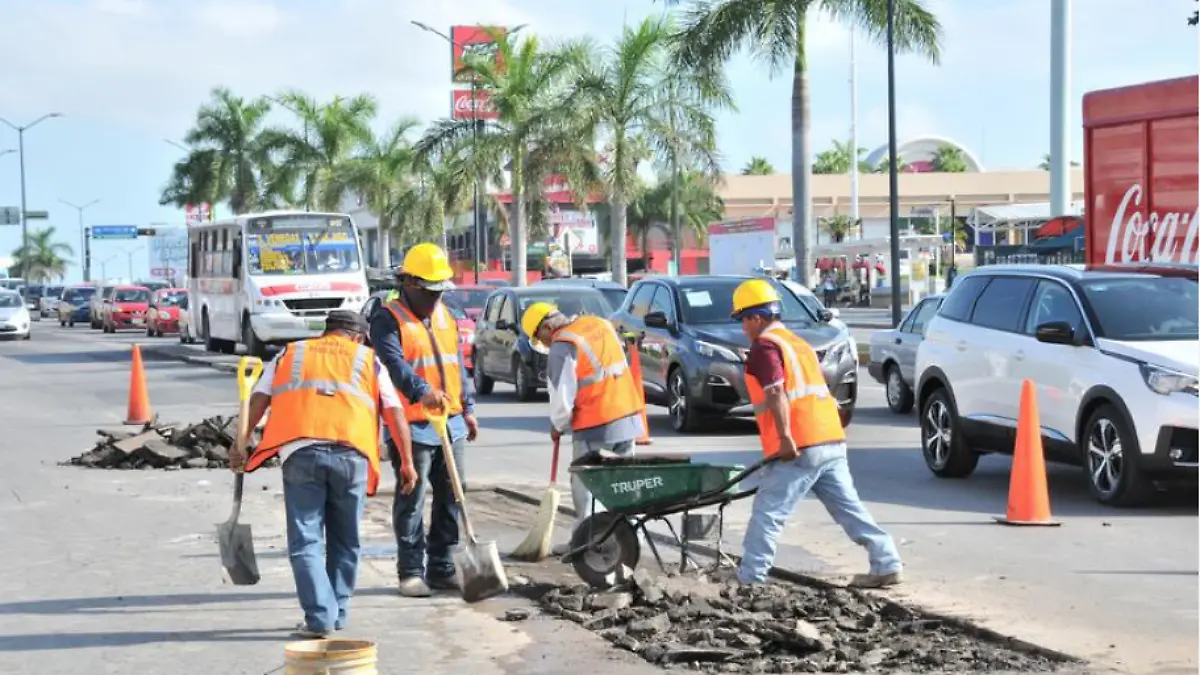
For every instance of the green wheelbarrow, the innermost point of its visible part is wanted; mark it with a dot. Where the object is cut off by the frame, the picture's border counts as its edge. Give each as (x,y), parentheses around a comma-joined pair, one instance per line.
(634,491)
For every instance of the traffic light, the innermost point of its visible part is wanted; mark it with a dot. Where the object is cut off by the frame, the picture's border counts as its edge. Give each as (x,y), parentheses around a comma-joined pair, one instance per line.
(146,231)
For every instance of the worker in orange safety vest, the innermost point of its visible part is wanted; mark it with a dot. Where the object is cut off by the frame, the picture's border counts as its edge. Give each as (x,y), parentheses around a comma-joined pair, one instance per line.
(327,396)
(799,426)
(593,395)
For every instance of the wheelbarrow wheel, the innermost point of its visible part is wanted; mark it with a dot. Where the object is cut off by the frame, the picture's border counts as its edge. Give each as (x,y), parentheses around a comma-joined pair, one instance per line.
(610,562)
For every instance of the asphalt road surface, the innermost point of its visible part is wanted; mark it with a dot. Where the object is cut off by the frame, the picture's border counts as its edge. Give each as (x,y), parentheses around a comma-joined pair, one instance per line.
(1116,587)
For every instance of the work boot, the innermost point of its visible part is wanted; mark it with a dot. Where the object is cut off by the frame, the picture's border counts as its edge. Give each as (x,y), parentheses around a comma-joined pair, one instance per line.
(414,587)
(443,583)
(875,580)
(303,632)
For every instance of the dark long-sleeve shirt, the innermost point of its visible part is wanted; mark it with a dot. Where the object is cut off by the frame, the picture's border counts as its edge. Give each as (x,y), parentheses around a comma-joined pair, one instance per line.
(385,338)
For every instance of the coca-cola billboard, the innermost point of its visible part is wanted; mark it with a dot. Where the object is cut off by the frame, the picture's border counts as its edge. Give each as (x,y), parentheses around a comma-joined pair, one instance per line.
(465,104)
(1140,173)
(476,41)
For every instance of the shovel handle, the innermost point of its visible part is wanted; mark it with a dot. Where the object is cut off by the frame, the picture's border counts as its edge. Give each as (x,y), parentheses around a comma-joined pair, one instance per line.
(246,384)
(438,419)
(238,482)
(554,464)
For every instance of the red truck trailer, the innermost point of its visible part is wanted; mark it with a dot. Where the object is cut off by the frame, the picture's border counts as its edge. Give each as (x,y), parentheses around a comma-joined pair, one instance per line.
(1140,172)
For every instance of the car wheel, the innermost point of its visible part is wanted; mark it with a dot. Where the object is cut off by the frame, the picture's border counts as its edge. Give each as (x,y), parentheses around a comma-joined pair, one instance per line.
(524,379)
(483,384)
(28,336)
(679,406)
(899,394)
(941,443)
(62,323)
(210,345)
(1110,452)
(254,346)
(70,323)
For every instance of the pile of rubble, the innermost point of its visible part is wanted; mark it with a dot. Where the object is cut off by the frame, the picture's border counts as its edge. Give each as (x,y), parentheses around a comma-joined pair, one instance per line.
(685,622)
(169,445)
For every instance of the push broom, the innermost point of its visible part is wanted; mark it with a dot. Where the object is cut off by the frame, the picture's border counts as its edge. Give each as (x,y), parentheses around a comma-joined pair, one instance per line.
(537,544)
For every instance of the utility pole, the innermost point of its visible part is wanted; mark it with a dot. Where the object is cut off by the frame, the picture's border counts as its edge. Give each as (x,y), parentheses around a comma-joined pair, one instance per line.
(893,180)
(129,260)
(854,137)
(24,207)
(1060,110)
(85,241)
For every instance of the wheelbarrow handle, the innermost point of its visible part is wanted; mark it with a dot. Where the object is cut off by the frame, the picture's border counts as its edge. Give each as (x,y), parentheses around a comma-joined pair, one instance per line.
(745,473)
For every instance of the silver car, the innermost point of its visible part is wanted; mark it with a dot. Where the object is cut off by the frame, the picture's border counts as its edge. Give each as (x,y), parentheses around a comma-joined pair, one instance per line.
(894,354)
(14,316)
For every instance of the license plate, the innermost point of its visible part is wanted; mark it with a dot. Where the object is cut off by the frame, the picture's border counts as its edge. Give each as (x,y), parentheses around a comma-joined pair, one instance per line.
(316,325)
(136,322)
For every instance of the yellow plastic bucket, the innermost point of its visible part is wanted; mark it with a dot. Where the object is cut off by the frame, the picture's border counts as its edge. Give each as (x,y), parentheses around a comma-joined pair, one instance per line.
(331,657)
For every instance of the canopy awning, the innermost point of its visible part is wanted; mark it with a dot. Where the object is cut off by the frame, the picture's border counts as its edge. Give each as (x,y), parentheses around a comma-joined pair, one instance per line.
(1021,216)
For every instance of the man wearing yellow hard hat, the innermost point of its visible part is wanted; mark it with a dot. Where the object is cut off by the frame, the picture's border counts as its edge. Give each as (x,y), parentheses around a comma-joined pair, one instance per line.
(593,395)
(799,426)
(416,338)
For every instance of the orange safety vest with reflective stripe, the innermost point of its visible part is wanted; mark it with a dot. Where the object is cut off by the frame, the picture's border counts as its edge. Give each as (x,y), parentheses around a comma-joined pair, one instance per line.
(812,410)
(606,390)
(326,389)
(423,348)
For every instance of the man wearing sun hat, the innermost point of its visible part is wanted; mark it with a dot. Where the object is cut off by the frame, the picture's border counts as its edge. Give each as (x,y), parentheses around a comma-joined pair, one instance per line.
(593,395)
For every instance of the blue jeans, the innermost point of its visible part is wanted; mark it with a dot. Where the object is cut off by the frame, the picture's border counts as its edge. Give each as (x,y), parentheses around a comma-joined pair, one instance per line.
(822,469)
(416,554)
(324,492)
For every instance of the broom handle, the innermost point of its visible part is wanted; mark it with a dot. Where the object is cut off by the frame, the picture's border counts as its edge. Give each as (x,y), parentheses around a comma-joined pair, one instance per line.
(554,464)
(456,483)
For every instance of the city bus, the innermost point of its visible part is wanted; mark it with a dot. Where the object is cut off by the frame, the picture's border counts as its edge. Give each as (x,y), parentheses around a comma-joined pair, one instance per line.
(271,278)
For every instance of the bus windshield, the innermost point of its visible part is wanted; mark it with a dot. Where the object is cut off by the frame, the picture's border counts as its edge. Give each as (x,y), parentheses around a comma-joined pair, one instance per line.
(302,251)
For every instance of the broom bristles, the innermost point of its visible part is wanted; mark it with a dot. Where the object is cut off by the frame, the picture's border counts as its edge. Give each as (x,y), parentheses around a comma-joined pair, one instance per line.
(537,543)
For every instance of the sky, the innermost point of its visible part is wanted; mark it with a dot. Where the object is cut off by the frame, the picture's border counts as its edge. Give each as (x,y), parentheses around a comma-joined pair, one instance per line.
(127,74)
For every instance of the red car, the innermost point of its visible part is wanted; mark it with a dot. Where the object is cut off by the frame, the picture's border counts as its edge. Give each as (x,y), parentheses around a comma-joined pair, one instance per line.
(466,334)
(470,299)
(128,309)
(163,315)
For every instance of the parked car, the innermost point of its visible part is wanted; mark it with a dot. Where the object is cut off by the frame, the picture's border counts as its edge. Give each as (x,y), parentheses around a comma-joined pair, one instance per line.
(693,353)
(75,305)
(103,295)
(831,315)
(49,301)
(127,308)
(894,354)
(1114,355)
(187,333)
(469,298)
(466,325)
(14,316)
(33,300)
(612,291)
(502,349)
(162,315)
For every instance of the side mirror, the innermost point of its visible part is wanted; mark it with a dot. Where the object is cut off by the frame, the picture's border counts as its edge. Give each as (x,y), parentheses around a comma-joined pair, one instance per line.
(657,320)
(1056,333)
(834,312)
(826,315)
(505,324)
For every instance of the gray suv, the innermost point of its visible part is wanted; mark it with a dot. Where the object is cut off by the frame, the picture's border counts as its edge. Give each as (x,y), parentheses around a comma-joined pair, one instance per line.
(693,354)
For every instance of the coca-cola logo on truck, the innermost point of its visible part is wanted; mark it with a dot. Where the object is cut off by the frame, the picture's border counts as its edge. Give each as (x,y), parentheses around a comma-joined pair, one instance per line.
(1159,237)
(480,107)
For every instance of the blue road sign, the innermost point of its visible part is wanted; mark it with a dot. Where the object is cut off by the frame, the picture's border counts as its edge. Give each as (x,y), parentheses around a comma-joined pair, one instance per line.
(114,232)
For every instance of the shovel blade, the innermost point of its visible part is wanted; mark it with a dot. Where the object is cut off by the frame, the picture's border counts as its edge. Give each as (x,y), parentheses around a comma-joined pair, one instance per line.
(237,553)
(480,573)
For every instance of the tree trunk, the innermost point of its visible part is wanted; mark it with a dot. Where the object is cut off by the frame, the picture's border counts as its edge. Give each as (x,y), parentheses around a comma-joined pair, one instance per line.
(803,231)
(517,240)
(619,213)
(676,234)
(385,243)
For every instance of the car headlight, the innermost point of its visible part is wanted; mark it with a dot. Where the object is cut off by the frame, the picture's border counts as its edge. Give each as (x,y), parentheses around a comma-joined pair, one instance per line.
(270,303)
(834,354)
(1164,381)
(713,351)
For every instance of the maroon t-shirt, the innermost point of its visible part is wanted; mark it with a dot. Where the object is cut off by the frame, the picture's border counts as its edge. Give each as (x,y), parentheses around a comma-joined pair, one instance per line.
(765,363)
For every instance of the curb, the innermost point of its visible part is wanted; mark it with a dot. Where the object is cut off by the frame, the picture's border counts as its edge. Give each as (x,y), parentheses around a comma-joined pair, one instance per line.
(963,624)
(169,353)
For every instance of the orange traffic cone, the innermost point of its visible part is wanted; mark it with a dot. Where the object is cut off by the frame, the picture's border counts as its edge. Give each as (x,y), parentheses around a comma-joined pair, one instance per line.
(635,365)
(1028,496)
(139,400)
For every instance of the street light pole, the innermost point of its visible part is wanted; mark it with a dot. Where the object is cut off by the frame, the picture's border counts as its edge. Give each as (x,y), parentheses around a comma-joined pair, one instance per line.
(893,179)
(24,212)
(84,240)
(129,259)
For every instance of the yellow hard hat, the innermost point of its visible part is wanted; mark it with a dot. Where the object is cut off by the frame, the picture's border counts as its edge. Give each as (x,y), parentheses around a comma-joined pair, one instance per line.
(533,317)
(428,263)
(753,294)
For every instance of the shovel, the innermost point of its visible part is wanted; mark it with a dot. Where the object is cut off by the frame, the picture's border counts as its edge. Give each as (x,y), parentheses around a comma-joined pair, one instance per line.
(480,573)
(235,539)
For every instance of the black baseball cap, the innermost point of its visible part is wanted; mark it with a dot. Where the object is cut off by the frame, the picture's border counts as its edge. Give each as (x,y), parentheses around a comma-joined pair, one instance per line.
(344,319)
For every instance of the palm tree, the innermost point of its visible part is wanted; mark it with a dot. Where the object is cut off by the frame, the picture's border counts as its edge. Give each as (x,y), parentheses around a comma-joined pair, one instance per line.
(949,159)
(775,31)
(332,133)
(1045,165)
(839,226)
(535,106)
(901,166)
(758,166)
(837,160)
(381,174)
(41,259)
(229,150)
(698,205)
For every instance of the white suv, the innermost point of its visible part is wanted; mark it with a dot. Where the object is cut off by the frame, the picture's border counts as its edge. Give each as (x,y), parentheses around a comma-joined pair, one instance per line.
(1113,352)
